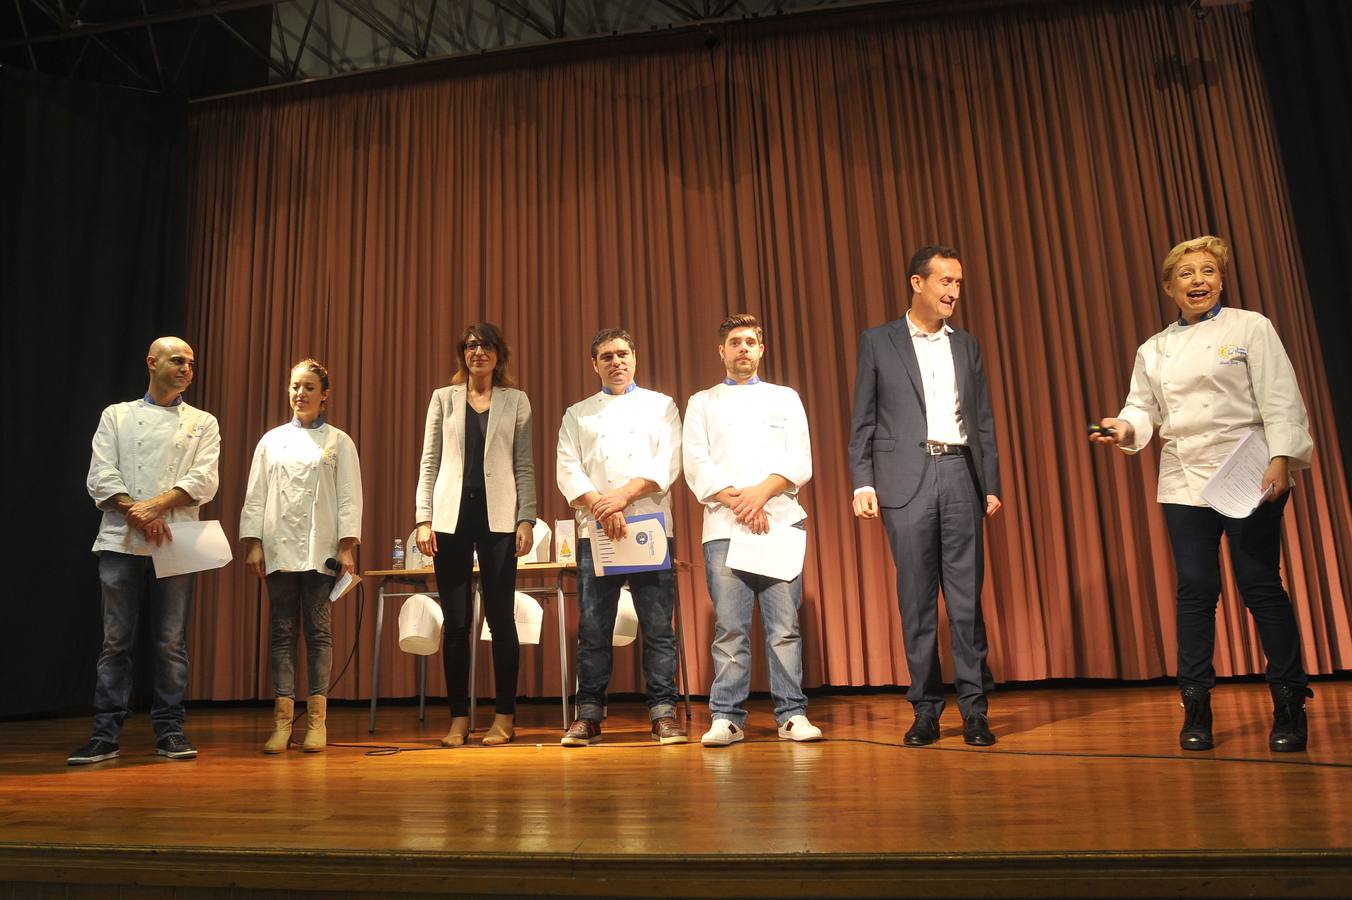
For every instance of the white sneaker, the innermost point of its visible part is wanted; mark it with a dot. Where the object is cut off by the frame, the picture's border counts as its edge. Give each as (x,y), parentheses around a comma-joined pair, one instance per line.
(798,728)
(721,734)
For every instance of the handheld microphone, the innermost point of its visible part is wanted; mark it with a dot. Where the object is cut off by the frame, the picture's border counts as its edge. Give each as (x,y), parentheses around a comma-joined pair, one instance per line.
(332,565)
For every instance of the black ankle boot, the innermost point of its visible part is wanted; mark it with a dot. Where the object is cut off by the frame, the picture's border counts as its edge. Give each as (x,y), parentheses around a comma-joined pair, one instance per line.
(1196,733)
(1289,729)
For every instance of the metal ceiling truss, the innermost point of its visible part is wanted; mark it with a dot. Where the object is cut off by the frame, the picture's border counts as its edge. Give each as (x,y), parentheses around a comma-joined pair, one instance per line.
(312,39)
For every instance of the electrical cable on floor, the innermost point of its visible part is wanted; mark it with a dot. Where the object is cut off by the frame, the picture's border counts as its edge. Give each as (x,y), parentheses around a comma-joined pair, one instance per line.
(395,749)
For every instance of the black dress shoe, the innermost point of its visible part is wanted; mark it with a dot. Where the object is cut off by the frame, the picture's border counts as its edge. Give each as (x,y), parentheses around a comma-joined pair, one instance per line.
(1196,733)
(1290,731)
(924,731)
(976,730)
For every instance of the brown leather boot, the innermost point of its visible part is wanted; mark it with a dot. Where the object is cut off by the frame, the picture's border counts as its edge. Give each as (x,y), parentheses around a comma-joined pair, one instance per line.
(316,733)
(283,711)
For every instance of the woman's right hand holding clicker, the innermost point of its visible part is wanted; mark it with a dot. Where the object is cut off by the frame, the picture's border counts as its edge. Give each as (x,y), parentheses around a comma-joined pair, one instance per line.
(1121,432)
(426,539)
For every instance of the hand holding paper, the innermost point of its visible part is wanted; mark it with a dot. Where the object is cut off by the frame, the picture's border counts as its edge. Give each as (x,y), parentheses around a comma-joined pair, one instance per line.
(343,585)
(196,547)
(778,553)
(1237,487)
(643,549)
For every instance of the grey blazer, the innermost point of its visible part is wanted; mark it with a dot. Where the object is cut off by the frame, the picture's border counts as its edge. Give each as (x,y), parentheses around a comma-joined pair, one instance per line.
(888,427)
(509,460)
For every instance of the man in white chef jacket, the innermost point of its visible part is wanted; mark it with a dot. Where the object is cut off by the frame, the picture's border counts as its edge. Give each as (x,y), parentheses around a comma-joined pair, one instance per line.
(153,465)
(747,453)
(619,453)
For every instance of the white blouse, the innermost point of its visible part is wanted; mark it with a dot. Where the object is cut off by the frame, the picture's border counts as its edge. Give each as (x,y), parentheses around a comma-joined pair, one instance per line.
(304,496)
(1207,385)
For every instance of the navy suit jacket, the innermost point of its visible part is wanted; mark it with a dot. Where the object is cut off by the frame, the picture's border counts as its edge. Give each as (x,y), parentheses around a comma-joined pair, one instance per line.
(888,428)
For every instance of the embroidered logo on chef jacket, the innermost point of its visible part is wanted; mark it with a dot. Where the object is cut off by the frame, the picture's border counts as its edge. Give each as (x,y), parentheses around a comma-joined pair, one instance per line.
(1232,354)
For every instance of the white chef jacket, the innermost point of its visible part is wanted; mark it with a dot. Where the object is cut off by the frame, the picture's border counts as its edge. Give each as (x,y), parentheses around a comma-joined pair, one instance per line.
(1205,386)
(610,439)
(304,495)
(737,435)
(142,450)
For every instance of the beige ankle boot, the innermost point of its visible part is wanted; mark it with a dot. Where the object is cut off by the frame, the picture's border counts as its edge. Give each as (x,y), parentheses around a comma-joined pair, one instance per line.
(459,731)
(283,711)
(316,732)
(502,731)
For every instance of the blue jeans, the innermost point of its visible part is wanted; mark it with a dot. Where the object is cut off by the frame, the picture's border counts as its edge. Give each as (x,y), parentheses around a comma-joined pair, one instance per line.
(598,599)
(1255,556)
(293,596)
(126,591)
(734,594)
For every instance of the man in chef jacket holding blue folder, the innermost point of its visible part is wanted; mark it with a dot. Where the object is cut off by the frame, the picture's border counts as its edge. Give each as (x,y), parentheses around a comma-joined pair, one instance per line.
(747,453)
(619,453)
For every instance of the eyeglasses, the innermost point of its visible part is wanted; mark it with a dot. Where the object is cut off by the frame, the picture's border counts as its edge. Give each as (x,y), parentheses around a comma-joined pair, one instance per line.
(473,346)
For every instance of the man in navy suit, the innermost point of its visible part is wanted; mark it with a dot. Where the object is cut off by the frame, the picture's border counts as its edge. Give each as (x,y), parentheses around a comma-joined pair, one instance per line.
(922,449)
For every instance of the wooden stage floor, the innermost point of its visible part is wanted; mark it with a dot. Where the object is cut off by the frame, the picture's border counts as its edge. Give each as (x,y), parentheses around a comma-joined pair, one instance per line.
(1086,793)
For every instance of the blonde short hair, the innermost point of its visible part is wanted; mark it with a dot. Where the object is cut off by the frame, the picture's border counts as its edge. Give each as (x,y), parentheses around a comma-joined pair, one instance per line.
(1207,243)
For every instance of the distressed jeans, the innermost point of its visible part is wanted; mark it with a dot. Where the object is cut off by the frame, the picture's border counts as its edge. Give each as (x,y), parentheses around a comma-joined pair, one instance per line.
(125,581)
(296,596)
(598,598)
(734,594)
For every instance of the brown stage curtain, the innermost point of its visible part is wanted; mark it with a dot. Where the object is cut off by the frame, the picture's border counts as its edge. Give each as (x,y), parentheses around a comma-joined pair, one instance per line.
(788,172)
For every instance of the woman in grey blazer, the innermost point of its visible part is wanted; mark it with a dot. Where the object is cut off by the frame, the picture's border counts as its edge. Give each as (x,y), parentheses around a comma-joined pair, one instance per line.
(476,490)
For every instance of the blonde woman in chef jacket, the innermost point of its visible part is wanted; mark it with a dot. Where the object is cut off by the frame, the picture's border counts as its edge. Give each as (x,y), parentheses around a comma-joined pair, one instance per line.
(1215,376)
(302,509)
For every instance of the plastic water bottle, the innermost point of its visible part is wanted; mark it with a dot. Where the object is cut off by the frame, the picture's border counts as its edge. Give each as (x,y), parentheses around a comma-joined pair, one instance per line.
(398,554)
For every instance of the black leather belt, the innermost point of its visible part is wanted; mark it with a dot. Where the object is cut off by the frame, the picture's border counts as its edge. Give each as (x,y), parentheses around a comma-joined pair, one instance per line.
(939,448)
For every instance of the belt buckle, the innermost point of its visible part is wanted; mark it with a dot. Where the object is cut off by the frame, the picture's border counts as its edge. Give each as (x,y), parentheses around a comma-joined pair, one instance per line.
(934,448)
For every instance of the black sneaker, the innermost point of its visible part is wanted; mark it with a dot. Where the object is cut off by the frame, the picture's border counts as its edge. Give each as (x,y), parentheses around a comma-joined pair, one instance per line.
(176,746)
(97,750)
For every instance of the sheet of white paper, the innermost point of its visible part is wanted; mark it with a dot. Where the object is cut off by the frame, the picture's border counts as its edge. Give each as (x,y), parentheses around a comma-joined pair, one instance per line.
(196,547)
(343,585)
(543,541)
(1237,487)
(777,554)
(643,548)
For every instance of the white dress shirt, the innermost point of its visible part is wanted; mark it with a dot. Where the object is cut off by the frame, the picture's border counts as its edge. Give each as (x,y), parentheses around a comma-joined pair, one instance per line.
(142,450)
(737,435)
(1205,387)
(608,440)
(934,354)
(304,496)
